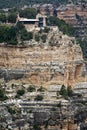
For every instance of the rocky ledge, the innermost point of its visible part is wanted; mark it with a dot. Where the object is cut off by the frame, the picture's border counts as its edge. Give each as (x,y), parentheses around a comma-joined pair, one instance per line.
(61,63)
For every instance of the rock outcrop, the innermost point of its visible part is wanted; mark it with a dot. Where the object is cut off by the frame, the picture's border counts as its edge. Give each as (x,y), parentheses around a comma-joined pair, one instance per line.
(61,63)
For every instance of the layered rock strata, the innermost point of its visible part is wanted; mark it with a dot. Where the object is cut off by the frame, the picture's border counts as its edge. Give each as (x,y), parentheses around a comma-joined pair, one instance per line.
(62,64)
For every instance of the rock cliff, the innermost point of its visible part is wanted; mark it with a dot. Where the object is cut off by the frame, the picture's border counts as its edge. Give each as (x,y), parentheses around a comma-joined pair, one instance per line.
(61,62)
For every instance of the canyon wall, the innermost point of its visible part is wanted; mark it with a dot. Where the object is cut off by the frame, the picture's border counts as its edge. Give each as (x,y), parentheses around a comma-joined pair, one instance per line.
(63,65)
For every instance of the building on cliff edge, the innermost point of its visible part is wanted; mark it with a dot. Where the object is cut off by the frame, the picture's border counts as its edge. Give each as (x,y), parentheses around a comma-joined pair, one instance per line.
(33,24)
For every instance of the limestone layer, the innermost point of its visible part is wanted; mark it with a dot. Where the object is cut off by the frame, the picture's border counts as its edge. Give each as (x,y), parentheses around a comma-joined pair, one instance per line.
(62,64)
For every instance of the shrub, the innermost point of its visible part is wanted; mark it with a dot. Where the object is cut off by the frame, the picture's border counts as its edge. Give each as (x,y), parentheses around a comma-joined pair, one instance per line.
(63,92)
(31,88)
(3,18)
(12,18)
(13,41)
(26,35)
(52,42)
(19,26)
(36,127)
(37,37)
(66,92)
(46,30)
(62,25)
(8,34)
(38,98)
(20,92)
(59,104)
(10,110)
(41,30)
(44,37)
(2,95)
(69,91)
(41,89)
(28,13)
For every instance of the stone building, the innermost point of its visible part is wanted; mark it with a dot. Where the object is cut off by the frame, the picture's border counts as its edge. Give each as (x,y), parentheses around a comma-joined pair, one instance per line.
(34,24)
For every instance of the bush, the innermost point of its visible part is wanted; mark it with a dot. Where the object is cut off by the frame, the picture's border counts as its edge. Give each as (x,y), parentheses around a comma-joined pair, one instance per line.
(13,41)
(12,18)
(41,89)
(36,127)
(41,30)
(69,91)
(37,37)
(83,44)
(20,92)
(3,18)
(26,35)
(31,88)
(44,37)
(17,96)
(66,92)
(59,104)
(28,13)
(62,25)
(11,111)
(46,30)
(8,34)
(62,90)
(19,26)
(38,98)
(52,42)
(2,95)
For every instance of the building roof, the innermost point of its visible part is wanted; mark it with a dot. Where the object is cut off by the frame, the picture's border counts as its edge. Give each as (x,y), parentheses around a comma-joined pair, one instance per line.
(28,20)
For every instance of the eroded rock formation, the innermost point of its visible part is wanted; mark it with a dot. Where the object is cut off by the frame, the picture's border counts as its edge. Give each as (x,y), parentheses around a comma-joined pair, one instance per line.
(62,63)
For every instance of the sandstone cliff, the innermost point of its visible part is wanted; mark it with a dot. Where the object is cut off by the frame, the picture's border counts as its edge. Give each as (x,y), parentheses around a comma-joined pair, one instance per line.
(61,63)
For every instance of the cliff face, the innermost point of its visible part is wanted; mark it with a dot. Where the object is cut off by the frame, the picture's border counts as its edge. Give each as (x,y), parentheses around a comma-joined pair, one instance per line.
(51,64)
(62,64)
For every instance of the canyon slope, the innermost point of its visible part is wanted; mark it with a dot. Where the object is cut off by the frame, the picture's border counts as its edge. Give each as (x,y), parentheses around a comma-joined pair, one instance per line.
(58,61)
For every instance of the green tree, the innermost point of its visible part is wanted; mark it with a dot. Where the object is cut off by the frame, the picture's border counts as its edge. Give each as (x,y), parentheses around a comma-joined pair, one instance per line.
(21,3)
(12,18)
(69,91)
(63,92)
(3,18)
(12,36)
(62,25)
(8,34)
(28,13)
(26,35)
(4,33)
(19,26)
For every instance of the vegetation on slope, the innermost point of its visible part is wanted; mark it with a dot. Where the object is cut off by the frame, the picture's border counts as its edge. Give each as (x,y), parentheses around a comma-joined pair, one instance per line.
(83,44)
(66,92)
(62,25)
(28,13)
(18,3)
(8,34)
